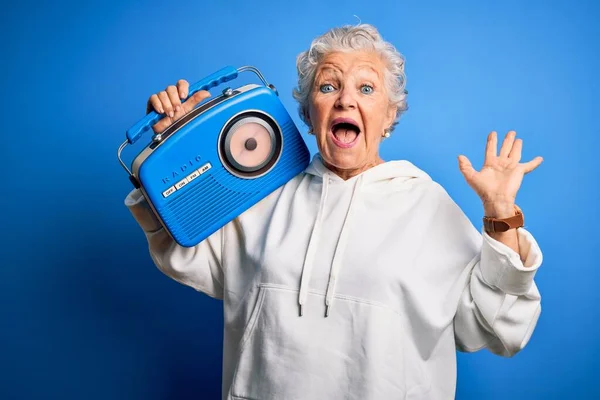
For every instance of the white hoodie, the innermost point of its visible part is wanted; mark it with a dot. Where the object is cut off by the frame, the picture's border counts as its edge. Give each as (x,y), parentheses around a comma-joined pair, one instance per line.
(357,289)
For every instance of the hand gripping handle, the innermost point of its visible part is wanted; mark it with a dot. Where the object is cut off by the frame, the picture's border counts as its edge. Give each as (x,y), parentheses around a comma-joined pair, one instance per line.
(215,79)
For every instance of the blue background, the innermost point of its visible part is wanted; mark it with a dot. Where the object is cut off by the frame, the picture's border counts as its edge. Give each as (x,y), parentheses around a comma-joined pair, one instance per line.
(84,312)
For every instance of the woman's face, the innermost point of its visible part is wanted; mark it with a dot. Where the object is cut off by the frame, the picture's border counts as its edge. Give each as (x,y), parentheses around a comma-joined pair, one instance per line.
(349,111)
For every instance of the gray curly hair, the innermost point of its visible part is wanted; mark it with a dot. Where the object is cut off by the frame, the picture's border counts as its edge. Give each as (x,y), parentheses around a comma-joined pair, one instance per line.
(350,38)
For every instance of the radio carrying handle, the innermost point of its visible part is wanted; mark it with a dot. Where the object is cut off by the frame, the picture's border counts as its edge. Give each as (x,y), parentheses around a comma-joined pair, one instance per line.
(221,76)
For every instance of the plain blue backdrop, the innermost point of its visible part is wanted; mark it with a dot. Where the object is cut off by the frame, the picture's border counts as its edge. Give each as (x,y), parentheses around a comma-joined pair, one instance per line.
(84,312)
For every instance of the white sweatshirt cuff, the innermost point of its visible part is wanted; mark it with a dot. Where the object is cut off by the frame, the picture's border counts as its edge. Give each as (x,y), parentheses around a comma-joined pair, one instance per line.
(503,268)
(140,209)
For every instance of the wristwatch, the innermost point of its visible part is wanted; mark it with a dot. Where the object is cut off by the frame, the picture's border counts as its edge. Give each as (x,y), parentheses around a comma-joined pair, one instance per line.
(492,225)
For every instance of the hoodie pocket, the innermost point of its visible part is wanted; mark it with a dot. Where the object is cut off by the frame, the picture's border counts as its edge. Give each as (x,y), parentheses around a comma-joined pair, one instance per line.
(357,352)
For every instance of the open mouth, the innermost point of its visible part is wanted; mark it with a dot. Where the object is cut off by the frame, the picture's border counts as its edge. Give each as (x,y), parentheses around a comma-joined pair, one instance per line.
(345,132)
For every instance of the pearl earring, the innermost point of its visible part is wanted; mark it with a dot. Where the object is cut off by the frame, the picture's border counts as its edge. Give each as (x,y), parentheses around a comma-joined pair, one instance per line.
(386,134)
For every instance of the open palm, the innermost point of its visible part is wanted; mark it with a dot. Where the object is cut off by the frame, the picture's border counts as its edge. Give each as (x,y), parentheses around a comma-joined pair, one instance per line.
(501,175)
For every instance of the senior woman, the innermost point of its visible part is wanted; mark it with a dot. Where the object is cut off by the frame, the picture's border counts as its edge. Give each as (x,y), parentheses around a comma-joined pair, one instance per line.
(359,278)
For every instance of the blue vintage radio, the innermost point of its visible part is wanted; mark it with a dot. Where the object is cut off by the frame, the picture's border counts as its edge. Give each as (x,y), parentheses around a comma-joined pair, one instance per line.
(219,159)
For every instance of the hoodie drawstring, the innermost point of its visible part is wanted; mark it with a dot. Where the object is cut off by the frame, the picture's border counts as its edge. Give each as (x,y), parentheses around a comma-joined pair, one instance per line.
(312,248)
(336,264)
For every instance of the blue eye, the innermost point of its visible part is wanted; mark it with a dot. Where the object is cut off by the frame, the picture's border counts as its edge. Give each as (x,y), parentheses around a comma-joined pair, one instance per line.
(366,89)
(326,88)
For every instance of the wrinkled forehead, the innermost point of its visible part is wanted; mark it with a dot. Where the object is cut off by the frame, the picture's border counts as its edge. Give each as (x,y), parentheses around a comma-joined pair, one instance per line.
(348,63)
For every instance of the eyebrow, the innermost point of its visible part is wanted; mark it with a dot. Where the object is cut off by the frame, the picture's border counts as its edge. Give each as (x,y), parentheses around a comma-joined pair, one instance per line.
(324,70)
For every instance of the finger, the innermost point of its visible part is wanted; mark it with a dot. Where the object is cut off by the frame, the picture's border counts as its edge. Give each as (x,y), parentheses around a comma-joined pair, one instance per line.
(195,99)
(491,147)
(163,124)
(515,154)
(154,104)
(466,167)
(183,87)
(533,164)
(174,97)
(507,144)
(166,103)
(186,107)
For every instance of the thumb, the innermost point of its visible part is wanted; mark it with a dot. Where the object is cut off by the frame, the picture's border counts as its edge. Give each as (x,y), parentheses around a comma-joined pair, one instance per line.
(533,164)
(195,99)
(465,167)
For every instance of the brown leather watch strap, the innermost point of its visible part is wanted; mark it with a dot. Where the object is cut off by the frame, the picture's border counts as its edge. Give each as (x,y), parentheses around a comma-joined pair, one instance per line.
(492,225)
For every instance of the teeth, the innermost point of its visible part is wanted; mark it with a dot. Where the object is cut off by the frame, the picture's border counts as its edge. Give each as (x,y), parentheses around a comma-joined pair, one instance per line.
(346,125)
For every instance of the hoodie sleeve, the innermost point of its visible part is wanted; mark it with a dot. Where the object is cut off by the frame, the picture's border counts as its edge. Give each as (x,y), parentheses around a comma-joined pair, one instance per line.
(499,303)
(199,267)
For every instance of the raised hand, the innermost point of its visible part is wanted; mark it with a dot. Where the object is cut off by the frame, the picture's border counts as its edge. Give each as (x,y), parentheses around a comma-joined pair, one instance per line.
(169,103)
(501,176)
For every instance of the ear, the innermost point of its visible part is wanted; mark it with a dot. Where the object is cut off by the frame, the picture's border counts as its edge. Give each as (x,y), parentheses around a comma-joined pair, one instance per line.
(390,115)
(306,115)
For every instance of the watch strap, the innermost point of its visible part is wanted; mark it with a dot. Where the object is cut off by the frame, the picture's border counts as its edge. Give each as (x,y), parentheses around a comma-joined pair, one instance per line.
(493,225)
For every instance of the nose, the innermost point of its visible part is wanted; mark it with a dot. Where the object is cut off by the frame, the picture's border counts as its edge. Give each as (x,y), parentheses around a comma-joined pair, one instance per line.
(345,99)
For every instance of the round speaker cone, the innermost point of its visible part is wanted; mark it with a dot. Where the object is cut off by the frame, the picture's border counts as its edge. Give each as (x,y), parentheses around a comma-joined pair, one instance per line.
(250,145)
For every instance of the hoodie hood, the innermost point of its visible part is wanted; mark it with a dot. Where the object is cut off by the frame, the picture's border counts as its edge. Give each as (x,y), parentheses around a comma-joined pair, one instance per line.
(380,178)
